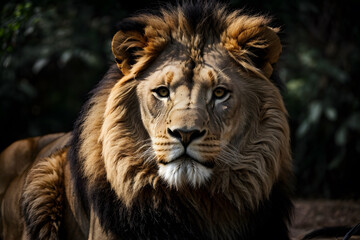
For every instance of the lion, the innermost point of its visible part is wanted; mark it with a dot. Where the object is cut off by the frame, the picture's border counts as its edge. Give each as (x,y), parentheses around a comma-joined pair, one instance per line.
(185,137)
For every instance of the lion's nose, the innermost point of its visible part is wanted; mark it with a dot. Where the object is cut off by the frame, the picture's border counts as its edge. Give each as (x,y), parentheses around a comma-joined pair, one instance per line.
(186,136)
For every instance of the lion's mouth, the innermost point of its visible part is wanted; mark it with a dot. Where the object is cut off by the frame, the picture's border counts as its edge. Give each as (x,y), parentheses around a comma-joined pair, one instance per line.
(185,157)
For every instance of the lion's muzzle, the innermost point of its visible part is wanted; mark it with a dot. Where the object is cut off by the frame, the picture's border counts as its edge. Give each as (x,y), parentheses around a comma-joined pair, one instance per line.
(186,136)
(184,160)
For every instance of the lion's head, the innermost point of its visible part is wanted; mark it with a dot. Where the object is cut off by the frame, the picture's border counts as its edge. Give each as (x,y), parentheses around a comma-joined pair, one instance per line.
(192,110)
(197,109)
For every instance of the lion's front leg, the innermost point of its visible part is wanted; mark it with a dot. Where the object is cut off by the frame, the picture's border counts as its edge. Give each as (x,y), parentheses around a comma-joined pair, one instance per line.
(11,220)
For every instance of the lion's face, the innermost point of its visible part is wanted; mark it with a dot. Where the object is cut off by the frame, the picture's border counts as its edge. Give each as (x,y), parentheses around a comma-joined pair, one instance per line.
(188,110)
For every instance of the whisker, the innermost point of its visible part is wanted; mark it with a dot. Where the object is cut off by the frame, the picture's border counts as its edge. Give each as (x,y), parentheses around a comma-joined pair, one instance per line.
(163,143)
(145,151)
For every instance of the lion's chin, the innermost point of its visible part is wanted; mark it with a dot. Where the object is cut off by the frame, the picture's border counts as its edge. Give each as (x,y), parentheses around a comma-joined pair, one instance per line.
(182,173)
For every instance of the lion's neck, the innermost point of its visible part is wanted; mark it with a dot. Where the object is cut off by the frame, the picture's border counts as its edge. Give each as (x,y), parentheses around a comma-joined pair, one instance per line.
(182,213)
(165,213)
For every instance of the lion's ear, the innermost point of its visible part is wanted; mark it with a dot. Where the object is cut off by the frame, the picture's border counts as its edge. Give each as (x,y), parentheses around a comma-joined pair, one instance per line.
(126,46)
(259,46)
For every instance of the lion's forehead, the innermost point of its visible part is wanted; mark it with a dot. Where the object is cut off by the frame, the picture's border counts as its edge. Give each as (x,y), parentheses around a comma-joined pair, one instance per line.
(171,66)
(178,77)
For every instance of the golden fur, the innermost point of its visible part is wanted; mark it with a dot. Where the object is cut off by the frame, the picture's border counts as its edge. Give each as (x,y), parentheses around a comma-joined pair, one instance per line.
(212,164)
(42,196)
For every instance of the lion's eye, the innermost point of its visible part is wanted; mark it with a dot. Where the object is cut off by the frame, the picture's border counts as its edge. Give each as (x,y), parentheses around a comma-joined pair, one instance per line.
(220,92)
(162,92)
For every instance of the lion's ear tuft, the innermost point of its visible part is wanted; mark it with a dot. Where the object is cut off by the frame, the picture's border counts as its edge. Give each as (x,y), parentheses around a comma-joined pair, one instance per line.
(257,46)
(127,45)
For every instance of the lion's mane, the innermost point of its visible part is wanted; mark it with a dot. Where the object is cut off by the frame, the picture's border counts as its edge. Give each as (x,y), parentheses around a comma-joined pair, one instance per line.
(110,154)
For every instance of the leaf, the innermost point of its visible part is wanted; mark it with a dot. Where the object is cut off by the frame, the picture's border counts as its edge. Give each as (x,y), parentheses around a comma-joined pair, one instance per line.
(315,111)
(40,64)
(65,57)
(331,113)
(303,129)
(25,87)
(340,136)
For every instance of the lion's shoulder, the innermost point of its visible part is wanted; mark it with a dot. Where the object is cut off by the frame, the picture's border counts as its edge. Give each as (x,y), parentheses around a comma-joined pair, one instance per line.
(21,154)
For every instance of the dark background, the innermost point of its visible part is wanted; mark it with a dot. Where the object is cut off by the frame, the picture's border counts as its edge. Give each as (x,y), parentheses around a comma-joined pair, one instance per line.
(54,52)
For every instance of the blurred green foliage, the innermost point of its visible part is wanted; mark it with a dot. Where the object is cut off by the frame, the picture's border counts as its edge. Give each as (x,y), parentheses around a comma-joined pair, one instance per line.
(320,67)
(53,53)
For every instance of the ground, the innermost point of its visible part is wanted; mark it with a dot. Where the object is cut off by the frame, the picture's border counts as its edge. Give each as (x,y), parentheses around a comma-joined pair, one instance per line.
(315,214)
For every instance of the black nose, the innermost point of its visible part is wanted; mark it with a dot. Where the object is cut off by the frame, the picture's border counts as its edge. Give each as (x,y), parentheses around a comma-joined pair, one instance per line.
(186,136)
